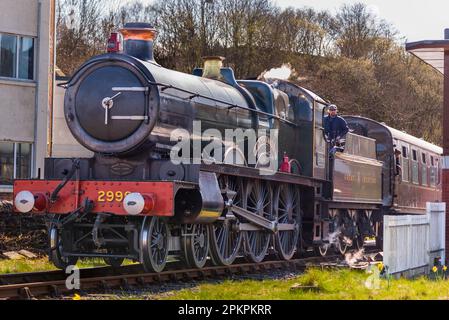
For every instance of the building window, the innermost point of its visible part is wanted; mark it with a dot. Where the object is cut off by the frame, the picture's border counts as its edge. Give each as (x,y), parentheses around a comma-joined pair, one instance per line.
(23,160)
(8,56)
(15,162)
(16,57)
(6,163)
(26,58)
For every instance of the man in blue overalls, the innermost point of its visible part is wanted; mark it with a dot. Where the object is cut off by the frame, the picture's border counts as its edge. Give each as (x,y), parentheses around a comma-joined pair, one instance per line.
(335,128)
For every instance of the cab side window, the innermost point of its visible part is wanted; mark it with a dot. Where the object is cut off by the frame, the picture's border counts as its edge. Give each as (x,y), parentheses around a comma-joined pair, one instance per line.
(291,113)
(302,107)
(319,114)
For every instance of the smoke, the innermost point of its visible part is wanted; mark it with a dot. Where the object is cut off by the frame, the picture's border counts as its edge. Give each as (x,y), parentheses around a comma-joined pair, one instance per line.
(282,73)
(352,258)
(332,238)
(348,241)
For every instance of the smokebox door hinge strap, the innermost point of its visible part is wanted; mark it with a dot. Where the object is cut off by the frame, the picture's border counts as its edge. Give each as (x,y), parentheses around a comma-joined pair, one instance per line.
(147,105)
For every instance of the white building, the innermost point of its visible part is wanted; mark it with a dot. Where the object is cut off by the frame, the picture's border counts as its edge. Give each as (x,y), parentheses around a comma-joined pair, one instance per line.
(63,144)
(27,44)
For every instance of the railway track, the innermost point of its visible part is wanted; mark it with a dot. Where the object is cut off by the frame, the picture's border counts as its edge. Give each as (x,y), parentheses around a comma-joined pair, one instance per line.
(53,283)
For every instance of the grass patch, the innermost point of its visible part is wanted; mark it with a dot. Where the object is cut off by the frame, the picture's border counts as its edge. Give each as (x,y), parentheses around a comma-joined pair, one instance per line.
(340,284)
(329,285)
(42,264)
(26,265)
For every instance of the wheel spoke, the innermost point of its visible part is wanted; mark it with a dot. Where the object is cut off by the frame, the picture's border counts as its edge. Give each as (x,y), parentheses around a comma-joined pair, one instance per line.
(156,252)
(287,203)
(258,201)
(225,241)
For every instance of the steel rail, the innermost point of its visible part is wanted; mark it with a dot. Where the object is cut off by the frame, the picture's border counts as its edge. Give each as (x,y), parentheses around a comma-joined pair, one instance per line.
(53,283)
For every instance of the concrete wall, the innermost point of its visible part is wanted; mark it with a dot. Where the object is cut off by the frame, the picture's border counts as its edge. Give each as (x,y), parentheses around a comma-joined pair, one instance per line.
(19,17)
(17,110)
(25,106)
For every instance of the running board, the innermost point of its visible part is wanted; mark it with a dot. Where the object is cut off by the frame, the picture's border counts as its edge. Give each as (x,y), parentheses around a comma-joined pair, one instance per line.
(259,223)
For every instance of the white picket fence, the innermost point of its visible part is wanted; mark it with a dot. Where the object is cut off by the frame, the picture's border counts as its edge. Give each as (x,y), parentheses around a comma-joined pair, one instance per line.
(412,243)
(437,212)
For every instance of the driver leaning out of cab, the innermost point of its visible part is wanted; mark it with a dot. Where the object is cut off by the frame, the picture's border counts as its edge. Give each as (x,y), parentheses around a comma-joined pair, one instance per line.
(335,127)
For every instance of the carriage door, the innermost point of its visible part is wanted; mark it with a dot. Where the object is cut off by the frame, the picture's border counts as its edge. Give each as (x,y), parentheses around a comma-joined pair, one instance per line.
(320,157)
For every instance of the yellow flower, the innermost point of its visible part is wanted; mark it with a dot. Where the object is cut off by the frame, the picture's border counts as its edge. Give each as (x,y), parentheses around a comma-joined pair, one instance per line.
(380,266)
(76,297)
(435,269)
(444,268)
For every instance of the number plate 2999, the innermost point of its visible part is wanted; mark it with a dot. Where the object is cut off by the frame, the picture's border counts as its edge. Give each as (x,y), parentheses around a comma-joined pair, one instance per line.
(111,196)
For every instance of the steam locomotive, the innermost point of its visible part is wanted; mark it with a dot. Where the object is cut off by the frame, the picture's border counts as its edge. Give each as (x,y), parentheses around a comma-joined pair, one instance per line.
(146,195)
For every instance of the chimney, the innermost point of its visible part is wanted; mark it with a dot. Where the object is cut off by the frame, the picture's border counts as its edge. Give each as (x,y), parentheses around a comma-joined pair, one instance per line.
(212,67)
(138,39)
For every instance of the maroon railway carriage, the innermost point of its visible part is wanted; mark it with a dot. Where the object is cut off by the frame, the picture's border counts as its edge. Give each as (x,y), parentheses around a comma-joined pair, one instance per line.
(411,179)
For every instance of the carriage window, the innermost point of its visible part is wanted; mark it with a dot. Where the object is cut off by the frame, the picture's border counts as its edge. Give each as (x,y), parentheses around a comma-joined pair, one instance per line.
(437,170)
(415,155)
(405,164)
(405,152)
(432,172)
(415,167)
(424,170)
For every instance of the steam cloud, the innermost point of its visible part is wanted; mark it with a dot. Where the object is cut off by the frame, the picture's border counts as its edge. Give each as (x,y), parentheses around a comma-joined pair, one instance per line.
(282,73)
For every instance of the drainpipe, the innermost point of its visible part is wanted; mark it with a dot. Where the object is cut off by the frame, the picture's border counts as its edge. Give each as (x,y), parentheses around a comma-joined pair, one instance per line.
(51,77)
(36,103)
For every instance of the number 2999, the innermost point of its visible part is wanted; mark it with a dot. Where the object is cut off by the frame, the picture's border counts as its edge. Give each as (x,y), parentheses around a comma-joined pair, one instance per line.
(111,196)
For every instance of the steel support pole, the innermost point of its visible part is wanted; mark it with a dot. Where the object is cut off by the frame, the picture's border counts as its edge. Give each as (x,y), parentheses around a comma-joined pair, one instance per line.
(445,164)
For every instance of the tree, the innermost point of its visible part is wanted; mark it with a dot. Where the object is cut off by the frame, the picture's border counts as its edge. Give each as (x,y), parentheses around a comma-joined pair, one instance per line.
(351,58)
(356,31)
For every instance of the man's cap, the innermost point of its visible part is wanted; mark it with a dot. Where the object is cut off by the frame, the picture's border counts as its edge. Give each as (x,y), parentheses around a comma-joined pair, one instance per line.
(333,107)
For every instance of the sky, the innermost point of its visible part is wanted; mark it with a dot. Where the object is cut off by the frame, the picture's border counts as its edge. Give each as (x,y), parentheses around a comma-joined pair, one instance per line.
(414,19)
